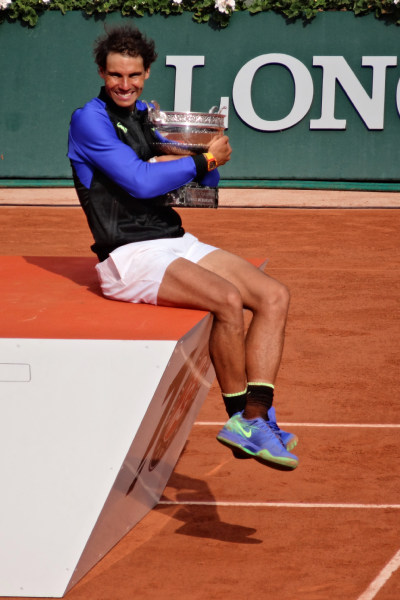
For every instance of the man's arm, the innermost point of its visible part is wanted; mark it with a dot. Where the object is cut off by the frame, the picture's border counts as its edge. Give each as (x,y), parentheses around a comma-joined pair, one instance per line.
(94,143)
(219,148)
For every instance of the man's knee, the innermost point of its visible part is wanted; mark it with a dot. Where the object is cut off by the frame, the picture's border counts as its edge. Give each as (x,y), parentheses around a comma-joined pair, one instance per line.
(277,299)
(283,296)
(229,305)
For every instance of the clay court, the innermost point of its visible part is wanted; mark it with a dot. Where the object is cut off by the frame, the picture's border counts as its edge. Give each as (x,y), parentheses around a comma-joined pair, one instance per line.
(235,529)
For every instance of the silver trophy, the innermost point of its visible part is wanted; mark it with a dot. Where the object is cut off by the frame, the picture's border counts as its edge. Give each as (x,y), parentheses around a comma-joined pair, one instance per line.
(187,133)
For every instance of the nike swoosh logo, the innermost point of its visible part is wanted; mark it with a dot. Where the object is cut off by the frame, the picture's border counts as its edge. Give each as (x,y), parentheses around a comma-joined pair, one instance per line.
(246,431)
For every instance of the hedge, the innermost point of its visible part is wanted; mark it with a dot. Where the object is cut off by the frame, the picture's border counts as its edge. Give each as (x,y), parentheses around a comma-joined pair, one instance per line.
(215,12)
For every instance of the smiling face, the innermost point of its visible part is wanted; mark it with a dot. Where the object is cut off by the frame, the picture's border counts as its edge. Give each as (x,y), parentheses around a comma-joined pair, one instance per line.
(124,78)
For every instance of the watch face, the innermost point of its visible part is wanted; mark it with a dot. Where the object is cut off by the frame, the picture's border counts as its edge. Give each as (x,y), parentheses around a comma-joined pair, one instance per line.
(212,164)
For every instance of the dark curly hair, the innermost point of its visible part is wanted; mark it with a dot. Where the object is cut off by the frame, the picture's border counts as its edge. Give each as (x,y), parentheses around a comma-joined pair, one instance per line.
(124,39)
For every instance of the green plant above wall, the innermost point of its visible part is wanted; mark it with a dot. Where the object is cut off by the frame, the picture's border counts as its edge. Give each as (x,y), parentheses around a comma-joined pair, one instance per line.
(216,12)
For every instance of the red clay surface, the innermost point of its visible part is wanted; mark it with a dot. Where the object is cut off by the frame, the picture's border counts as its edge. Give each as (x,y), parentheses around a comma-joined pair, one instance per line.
(340,366)
(62,299)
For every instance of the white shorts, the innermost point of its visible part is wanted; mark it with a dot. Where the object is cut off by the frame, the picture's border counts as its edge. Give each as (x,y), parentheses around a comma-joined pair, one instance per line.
(133,272)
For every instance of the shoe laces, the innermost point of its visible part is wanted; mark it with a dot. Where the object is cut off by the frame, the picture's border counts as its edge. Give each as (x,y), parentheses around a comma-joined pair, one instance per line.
(273,425)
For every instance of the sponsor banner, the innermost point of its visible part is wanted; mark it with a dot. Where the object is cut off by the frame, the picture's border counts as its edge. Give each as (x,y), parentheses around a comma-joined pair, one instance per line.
(302,102)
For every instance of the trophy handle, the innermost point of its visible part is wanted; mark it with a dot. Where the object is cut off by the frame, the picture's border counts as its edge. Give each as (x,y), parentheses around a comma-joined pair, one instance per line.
(156,106)
(215,110)
(157,116)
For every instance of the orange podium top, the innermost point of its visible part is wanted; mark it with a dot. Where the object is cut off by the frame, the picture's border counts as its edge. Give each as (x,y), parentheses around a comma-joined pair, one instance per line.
(60,298)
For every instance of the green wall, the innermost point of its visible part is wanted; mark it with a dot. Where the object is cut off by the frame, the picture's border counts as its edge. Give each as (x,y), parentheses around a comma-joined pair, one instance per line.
(48,70)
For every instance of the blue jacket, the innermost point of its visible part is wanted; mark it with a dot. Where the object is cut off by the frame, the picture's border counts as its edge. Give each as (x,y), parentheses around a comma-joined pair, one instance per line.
(120,192)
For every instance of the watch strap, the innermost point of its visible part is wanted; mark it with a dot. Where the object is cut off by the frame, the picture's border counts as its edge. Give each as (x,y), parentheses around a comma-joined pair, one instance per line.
(211,161)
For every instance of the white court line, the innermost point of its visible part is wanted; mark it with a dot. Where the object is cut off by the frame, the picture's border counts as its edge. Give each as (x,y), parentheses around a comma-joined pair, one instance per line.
(391,567)
(377,584)
(277,504)
(374,587)
(361,425)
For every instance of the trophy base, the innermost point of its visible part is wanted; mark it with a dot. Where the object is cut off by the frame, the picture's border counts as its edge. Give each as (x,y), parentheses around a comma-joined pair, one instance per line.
(193,196)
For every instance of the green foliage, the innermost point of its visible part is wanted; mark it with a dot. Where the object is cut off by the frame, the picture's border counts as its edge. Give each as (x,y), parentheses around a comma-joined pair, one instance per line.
(217,12)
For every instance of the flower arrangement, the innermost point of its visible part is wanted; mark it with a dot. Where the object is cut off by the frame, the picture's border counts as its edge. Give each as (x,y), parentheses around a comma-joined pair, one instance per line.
(203,11)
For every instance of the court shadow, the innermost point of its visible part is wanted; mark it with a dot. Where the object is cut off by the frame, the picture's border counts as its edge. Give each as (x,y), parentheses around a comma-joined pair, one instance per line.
(199,514)
(79,269)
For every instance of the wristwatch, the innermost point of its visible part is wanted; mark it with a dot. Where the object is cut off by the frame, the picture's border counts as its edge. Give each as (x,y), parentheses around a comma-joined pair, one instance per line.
(211,161)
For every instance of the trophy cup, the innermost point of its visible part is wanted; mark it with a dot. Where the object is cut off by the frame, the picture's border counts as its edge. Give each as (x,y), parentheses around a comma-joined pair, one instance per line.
(187,133)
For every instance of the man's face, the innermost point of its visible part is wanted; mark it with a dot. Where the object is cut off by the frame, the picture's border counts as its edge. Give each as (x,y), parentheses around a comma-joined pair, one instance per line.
(124,78)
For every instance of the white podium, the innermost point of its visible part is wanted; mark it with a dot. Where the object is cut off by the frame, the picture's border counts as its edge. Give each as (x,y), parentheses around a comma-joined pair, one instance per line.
(97,401)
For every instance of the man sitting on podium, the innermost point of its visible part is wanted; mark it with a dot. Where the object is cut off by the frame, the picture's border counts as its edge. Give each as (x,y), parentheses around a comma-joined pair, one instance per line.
(145,255)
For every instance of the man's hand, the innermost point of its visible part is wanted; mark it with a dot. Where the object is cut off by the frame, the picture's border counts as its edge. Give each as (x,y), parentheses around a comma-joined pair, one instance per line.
(220,149)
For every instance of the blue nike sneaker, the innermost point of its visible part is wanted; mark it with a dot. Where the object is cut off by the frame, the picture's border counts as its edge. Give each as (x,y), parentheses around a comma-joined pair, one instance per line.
(255,438)
(289,440)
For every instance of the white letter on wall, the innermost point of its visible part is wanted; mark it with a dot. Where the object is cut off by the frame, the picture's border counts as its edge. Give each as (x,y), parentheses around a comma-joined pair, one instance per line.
(370,109)
(304,91)
(183,79)
(398,97)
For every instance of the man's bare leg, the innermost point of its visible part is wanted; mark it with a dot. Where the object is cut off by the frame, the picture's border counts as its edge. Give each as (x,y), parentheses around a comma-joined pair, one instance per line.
(268,301)
(223,284)
(189,285)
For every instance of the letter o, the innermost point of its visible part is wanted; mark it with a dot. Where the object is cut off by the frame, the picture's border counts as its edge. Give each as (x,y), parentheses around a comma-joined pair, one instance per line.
(398,97)
(304,92)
